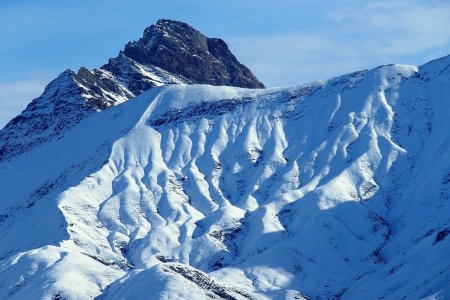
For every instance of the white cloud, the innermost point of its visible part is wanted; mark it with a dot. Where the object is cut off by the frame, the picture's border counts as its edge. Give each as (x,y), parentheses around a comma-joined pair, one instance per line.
(14,96)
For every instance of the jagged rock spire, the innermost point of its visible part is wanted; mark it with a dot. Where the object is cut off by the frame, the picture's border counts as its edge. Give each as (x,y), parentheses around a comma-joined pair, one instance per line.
(182,50)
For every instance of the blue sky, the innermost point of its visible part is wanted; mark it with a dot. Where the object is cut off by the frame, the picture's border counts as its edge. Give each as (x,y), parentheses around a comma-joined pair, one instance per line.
(284,42)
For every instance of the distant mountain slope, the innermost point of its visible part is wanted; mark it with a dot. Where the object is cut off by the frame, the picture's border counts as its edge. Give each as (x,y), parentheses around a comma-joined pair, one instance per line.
(170,52)
(330,190)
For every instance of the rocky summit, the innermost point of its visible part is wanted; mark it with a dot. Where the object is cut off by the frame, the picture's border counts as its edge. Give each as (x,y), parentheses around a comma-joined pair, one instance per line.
(169,52)
(180,49)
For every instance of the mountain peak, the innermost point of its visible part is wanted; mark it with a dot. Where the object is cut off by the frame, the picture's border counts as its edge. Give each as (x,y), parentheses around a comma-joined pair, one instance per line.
(168,22)
(180,49)
(172,24)
(169,52)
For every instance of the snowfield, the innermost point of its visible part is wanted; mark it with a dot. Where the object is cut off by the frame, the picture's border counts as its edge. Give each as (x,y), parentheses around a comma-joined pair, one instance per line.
(329,190)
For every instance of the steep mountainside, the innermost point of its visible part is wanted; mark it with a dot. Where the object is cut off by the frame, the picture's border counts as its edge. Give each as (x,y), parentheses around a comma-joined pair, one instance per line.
(170,52)
(330,190)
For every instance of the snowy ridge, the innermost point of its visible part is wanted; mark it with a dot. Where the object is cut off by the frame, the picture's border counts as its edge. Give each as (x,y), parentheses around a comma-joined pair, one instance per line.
(329,190)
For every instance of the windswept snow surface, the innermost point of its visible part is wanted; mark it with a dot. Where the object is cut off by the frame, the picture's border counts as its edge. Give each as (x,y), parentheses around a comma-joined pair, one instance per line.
(330,190)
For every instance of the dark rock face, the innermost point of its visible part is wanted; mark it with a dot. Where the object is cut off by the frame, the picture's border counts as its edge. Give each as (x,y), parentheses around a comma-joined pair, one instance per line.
(139,77)
(180,49)
(100,90)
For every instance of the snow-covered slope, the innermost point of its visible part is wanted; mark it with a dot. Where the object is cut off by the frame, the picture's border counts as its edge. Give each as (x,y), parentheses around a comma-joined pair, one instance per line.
(329,190)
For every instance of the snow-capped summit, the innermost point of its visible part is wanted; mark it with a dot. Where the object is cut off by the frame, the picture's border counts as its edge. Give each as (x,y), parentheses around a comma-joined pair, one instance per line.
(170,52)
